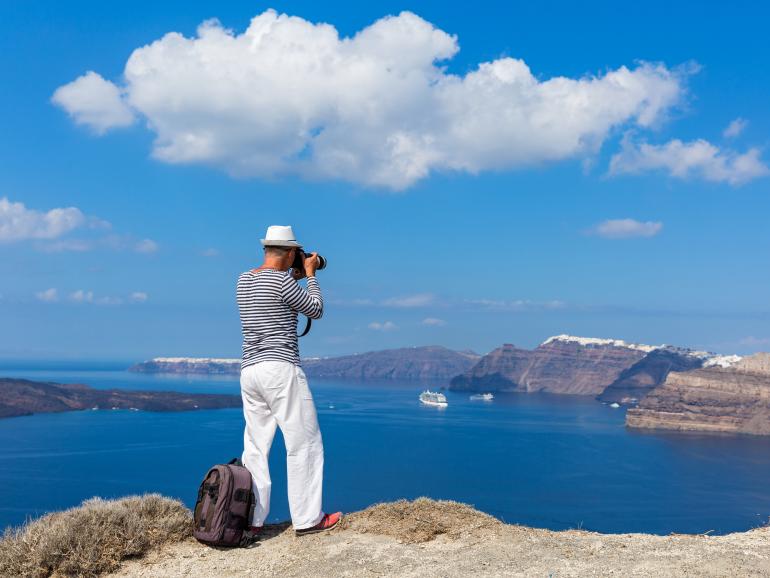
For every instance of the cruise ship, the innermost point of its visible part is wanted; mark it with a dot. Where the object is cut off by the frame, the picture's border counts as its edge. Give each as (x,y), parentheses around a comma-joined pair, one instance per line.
(483,397)
(433,398)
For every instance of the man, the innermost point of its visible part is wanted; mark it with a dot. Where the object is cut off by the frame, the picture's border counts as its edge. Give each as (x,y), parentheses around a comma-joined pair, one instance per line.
(273,386)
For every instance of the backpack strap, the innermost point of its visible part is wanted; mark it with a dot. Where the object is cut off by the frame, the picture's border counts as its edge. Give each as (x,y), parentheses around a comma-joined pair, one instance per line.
(252,499)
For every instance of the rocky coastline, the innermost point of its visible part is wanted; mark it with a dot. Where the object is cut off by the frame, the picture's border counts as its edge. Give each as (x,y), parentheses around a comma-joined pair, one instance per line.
(611,369)
(732,399)
(665,387)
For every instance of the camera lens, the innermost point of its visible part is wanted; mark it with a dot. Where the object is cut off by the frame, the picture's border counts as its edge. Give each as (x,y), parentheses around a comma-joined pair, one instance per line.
(321,262)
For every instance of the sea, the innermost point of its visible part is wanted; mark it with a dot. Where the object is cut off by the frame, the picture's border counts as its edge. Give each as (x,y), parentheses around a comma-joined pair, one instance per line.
(547,461)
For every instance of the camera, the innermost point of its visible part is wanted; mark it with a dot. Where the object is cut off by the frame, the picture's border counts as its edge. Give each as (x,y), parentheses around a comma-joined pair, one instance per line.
(299,261)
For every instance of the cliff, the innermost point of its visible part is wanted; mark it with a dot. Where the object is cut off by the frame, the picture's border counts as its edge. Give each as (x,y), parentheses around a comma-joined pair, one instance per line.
(729,397)
(562,364)
(408,364)
(648,373)
(23,397)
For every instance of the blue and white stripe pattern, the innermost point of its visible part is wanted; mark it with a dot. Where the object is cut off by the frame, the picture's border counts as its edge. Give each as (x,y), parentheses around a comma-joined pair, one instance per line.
(268,301)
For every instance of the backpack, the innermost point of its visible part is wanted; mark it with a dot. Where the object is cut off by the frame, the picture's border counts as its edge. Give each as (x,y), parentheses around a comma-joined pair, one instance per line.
(225,505)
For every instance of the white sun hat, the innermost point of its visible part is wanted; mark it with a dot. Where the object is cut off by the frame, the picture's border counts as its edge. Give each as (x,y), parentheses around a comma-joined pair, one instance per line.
(279,236)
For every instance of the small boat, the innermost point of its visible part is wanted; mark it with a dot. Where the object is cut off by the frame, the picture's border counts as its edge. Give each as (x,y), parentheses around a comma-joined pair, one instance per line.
(433,398)
(615,405)
(482,397)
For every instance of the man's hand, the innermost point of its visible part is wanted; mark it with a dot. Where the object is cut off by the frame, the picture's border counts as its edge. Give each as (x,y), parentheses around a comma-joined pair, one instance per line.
(311,264)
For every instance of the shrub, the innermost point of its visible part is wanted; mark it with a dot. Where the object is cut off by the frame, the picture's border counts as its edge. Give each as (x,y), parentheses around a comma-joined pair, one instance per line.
(93,538)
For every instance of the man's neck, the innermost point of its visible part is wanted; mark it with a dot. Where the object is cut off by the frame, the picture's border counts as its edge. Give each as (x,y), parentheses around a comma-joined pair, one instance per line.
(274,264)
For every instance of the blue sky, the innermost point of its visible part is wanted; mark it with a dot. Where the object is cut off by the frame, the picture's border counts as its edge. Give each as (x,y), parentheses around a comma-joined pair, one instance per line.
(494,214)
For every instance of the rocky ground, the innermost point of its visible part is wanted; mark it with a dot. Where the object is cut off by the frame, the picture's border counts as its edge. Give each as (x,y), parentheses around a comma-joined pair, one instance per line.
(428,538)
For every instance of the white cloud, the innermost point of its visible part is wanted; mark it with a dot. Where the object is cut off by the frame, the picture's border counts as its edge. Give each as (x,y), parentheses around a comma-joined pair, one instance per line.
(752,341)
(18,223)
(146,246)
(94,102)
(515,304)
(419,300)
(735,127)
(81,296)
(361,302)
(409,301)
(698,158)
(107,242)
(626,228)
(138,297)
(290,97)
(210,252)
(85,296)
(48,296)
(66,245)
(386,326)
(433,322)
(63,229)
(108,300)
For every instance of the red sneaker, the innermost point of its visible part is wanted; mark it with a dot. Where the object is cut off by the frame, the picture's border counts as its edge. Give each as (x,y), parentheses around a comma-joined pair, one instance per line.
(250,536)
(327,523)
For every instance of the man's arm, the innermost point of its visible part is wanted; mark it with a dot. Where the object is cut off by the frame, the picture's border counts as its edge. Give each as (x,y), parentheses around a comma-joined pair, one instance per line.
(308,302)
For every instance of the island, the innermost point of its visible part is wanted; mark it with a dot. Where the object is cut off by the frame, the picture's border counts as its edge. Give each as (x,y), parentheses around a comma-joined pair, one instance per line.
(428,363)
(20,397)
(188,365)
(406,364)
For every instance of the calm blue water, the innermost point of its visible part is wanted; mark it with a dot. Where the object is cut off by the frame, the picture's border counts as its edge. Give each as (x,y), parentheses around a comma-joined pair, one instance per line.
(546,461)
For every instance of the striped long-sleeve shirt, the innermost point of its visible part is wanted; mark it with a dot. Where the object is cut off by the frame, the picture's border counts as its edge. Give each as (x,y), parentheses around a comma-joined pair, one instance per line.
(268,301)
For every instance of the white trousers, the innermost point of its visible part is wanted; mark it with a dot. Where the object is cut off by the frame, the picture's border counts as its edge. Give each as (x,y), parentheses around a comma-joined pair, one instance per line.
(276,393)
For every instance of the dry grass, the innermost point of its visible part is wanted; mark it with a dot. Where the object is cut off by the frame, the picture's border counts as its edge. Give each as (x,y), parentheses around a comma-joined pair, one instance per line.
(93,538)
(421,520)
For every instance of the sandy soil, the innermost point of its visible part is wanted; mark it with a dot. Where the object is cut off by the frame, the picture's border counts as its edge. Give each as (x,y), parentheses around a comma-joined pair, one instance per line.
(428,538)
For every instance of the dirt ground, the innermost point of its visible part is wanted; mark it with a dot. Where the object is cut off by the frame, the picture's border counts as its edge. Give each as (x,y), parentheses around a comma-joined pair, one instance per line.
(446,539)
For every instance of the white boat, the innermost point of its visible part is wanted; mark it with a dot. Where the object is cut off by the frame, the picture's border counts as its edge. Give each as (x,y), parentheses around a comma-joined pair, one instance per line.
(615,405)
(433,398)
(482,397)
